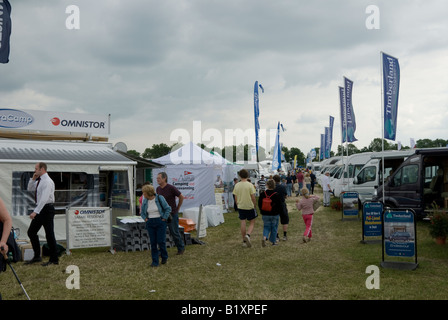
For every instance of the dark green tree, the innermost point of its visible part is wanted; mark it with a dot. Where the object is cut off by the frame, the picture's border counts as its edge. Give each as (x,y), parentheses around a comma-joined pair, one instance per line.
(157,151)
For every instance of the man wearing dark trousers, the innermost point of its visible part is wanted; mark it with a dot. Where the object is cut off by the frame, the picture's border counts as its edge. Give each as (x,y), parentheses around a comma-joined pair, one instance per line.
(43,215)
(170,193)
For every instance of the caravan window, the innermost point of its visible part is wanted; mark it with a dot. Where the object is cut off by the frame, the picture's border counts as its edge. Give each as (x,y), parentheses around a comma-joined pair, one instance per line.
(353,170)
(338,173)
(71,189)
(366,175)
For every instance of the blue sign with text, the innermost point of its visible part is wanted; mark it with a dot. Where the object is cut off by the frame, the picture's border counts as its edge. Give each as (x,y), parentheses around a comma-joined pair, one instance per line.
(399,233)
(371,217)
(350,205)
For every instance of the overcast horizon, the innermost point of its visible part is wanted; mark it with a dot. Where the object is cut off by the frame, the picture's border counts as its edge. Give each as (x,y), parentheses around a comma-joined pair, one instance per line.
(157,67)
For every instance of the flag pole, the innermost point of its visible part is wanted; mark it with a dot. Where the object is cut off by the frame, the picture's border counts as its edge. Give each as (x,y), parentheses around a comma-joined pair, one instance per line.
(257,123)
(382,125)
(346,126)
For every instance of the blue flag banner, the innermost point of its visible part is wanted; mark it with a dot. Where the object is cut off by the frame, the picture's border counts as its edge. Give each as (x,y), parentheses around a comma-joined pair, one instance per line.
(256,114)
(391,86)
(282,153)
(330,138)
(342,108)
(277,156)
(322,147)
(327,142)
(349,112)
(5,30)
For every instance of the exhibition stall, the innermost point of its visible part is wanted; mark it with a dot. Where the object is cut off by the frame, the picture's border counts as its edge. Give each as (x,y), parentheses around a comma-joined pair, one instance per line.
(198,175)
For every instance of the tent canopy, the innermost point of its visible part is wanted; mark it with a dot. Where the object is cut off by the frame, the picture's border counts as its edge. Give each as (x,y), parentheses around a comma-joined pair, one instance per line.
(196,173)
(22,151)
(191,154)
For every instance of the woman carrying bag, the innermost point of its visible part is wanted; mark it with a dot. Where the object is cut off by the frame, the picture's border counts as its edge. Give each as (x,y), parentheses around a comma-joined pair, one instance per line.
(155,211)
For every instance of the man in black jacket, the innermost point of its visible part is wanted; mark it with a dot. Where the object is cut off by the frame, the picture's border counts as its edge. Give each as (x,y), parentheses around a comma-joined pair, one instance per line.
(284,216)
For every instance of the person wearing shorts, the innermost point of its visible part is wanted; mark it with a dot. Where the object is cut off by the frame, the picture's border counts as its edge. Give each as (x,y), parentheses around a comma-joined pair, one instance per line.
(244,192)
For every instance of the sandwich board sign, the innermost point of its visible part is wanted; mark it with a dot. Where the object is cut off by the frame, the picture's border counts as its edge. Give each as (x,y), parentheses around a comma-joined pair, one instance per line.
(372,222)
(399,240)
(88,227)
(350,208)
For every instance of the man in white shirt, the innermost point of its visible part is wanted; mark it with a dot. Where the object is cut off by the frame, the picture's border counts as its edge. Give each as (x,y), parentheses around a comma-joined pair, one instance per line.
(326,189)
(43,215)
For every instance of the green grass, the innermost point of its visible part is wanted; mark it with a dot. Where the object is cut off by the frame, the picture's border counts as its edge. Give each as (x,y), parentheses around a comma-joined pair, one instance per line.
(332,266)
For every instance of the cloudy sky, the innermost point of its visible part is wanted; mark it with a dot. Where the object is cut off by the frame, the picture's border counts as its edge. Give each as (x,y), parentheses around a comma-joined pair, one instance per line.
(158,65)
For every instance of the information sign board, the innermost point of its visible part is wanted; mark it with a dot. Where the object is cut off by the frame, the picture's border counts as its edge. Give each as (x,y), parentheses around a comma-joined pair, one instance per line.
(399,239)
(371,222)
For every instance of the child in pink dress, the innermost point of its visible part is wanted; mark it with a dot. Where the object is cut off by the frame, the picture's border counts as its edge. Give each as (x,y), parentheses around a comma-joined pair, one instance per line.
(306,205)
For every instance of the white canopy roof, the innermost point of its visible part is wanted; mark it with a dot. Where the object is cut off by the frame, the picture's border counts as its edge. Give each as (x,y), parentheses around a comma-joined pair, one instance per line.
(191,154)
(23,151)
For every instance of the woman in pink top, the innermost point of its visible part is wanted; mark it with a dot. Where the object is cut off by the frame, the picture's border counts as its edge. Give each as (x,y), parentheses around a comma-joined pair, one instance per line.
(306,205)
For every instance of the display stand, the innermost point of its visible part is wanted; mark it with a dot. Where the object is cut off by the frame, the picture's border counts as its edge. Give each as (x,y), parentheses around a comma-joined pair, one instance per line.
(399,239)
(372,214)
(350,210)
(88,228)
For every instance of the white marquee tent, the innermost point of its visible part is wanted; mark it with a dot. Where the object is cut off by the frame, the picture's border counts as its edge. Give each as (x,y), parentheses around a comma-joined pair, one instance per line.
(196,173)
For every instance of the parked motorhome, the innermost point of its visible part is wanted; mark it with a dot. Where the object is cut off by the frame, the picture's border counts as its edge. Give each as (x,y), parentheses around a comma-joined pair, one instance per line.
(314,166)
(370,176)
(330,166)
(418,183)
(352,166)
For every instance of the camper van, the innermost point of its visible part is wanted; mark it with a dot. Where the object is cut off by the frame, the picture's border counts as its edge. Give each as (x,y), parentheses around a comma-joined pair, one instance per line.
(370,176)
(352,165)
(420,181)
(314,166)
(330,166)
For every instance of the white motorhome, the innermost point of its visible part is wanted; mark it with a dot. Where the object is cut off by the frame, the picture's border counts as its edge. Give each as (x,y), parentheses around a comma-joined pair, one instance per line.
(370,177)
(328,165)
(314,165)
(351,168)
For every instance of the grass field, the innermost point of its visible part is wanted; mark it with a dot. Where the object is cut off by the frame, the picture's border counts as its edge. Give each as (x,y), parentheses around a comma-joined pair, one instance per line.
(331,266)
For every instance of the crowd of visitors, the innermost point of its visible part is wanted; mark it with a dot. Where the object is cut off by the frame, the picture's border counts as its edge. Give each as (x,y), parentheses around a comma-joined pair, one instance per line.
(272,194)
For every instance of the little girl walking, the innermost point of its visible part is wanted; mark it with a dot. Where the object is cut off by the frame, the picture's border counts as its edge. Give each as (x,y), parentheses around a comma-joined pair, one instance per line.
(306,205)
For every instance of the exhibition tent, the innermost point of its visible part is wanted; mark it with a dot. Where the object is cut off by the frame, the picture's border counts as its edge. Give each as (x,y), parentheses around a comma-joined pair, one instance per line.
(196,173)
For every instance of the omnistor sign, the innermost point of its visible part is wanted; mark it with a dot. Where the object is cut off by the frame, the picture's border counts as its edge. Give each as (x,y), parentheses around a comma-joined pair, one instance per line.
(78,124)
(34,120)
